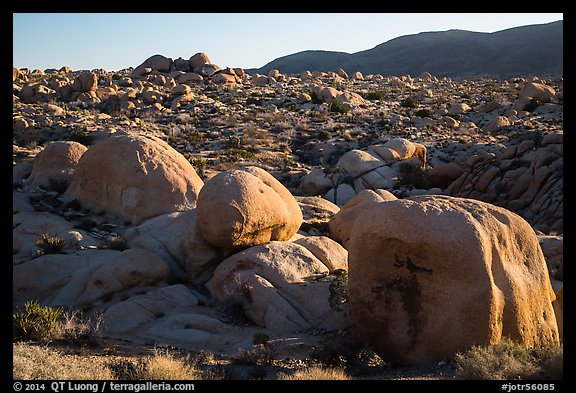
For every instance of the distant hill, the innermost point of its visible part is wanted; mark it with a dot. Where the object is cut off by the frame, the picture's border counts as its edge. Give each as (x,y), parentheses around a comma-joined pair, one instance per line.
(520,51)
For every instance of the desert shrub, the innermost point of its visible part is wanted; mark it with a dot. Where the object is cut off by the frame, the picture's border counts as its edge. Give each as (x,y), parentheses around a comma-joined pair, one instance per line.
(315,99)
(240,153)
(254,101)
(324,135)
(338,106)
(199,163)
(118,243)
(424,113)
(292,107)
(165,366)
(532,105)
(50,244)
(125,369)
(409,102)
(207,365)
(260,338)
(82,137)
(203,358)
(73,204)
(58,185)
(261,354)
(76,327)
(35,322)
(337,350)
(287,163)
(338,290)
(315,373)
(375,95)
(510,360)
(346,350)
(196,137)
(412,177)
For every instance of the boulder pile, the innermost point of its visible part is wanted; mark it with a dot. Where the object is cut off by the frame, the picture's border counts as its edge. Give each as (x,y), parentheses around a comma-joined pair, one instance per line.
(526,178)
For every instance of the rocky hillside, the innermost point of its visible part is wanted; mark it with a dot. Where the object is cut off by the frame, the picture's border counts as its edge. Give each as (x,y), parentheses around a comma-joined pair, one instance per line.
(200,207)
(520,51)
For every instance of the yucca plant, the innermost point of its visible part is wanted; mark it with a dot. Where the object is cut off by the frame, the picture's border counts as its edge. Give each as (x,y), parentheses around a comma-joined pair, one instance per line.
(50,244)
(35,322)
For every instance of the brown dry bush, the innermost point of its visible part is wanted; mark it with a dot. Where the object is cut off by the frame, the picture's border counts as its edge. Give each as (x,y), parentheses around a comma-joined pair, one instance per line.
(510,360)
(165,366)
(315,373)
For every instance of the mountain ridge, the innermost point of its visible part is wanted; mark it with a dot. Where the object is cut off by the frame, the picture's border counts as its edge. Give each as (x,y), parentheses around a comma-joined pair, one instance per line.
(518,51)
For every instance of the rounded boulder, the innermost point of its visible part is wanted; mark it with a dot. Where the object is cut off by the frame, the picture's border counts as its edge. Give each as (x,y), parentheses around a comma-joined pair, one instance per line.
(135,177)
(430,276)
(245,207)
(56,163)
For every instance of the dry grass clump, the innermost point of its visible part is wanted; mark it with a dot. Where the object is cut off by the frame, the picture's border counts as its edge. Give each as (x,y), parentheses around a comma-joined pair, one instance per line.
(510,360)
(165,366)
(75,326)
(316,373)
(36,362)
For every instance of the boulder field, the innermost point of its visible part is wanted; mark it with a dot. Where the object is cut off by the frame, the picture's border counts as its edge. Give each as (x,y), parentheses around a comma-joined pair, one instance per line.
(197,206)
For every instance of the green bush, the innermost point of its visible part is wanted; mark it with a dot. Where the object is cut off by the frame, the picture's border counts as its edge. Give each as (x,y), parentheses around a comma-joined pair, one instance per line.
(254,101)
(375,95)
(338,106)
(338,290)
(532,105)
(35,322)
(199,163)
(82,137)
(412,177)
(409,102)
(424,113)
(241,153)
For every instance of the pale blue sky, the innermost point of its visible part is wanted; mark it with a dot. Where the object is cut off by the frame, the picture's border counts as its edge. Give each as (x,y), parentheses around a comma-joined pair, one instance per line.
(247,40)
